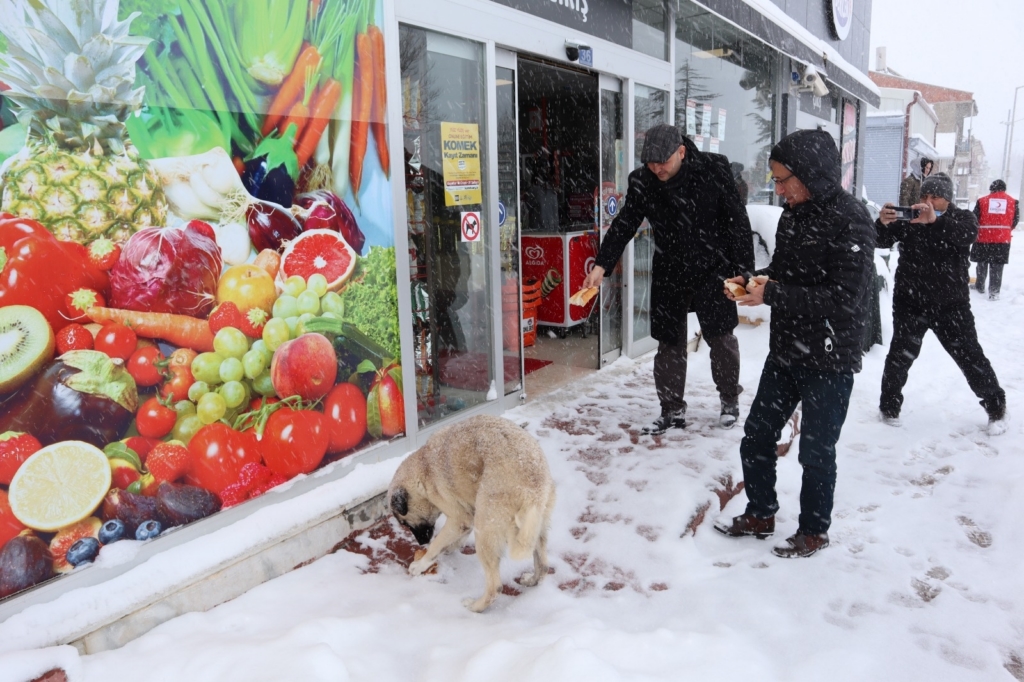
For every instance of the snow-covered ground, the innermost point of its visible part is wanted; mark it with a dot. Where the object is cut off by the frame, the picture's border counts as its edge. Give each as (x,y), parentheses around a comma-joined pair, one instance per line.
(922,581)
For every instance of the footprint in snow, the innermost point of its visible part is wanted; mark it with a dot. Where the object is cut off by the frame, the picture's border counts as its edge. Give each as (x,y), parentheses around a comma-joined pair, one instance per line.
(976,535)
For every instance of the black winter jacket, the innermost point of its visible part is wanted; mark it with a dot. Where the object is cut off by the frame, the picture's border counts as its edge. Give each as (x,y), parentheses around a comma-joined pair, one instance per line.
(933,265)
(823,262)
(701,231)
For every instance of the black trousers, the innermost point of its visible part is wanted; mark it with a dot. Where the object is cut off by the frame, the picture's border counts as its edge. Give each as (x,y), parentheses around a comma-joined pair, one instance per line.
(670,367)
(826,399)
(997,277)
(954,327)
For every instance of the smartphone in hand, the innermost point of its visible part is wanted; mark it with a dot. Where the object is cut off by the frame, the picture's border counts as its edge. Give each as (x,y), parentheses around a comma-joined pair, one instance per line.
(905,212)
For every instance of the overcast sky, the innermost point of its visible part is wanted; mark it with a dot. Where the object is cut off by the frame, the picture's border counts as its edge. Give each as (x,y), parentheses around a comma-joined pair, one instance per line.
(973,45)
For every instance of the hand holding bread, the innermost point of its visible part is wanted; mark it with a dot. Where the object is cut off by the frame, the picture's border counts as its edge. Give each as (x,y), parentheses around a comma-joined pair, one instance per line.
(583,296)
(735,288)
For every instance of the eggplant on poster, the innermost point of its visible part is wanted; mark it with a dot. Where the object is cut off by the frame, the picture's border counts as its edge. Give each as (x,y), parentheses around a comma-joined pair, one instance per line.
(198,297)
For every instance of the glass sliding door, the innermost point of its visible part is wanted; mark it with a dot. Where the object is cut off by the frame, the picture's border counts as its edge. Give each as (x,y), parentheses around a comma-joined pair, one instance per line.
(444,121)
(650,108)
(508,225)
(613,193)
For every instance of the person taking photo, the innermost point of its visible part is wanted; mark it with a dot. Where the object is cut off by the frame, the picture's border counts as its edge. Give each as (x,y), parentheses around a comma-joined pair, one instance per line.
(932,291)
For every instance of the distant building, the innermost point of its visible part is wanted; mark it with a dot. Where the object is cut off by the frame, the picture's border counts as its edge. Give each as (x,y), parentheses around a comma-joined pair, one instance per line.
(900,132)
(959,154)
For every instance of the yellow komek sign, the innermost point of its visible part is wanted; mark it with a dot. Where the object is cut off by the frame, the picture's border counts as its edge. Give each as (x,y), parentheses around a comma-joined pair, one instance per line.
(460,149)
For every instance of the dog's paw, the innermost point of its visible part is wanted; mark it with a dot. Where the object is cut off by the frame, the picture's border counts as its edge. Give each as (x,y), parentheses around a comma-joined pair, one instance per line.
(422,567)
(530,579)
(476,605)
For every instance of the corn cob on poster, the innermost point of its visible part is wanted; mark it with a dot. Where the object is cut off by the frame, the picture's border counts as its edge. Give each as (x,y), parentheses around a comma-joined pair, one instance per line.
(198,296)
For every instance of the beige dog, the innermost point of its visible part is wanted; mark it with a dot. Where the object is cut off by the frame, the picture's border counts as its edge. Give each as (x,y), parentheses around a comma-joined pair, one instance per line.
(486,475)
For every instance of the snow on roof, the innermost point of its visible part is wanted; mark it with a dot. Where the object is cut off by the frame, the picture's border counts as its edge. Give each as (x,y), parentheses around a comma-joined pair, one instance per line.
(923,146)
(887,112)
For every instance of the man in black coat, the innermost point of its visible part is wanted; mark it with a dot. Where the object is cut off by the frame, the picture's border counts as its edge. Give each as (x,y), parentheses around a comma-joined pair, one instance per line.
(933,292)
(818,288)
(701,236)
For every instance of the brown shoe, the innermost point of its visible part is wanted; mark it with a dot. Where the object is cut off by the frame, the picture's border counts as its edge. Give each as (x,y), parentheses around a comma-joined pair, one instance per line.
(746,524)
(801,545)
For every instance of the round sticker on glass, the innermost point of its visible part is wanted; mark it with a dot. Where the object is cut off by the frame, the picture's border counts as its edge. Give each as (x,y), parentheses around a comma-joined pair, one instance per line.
(612,205)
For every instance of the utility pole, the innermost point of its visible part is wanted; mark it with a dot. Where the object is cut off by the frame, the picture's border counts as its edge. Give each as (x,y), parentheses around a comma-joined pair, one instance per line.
(1006,137)
(1013,119)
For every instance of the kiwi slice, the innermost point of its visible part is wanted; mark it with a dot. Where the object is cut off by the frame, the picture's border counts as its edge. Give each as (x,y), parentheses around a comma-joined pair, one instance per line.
(26,344)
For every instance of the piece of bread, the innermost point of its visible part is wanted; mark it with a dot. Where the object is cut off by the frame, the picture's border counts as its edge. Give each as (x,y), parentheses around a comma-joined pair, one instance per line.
(416,557)
(583,296)
(736,289)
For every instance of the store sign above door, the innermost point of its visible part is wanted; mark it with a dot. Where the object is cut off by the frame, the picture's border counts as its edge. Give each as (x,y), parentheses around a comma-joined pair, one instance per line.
(841,14)
(611,20)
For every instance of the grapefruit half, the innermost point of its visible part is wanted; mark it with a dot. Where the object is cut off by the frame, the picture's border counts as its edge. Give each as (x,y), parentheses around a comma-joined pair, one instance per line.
(318,251)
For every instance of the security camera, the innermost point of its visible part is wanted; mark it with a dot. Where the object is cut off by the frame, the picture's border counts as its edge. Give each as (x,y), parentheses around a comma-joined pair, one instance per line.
(813,81)
(572,49)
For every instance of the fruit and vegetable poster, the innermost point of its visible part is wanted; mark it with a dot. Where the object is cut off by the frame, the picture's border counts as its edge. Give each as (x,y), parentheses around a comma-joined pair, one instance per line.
(198,294)
(460,149)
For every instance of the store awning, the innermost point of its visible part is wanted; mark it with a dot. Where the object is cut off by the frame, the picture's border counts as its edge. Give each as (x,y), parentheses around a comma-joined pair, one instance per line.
(769,23)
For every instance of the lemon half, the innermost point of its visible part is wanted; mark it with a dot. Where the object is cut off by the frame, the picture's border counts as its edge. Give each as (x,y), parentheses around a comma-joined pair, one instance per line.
(59,485)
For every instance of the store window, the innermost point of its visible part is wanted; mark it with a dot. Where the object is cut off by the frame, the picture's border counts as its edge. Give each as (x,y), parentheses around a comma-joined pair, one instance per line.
(724,96)
(650,28)
(445,135)
(229,170)
(650,108)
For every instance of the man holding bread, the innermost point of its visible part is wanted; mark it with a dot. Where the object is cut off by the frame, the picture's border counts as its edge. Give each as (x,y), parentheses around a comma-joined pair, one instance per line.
(701,235)
(817,287)
(933,292)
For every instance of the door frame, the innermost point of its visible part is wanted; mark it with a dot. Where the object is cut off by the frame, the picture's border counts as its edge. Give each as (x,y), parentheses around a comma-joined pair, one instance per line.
(611,83)
(499,57)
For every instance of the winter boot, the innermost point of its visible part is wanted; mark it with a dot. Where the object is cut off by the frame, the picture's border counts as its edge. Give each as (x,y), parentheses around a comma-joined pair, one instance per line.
(892,419)
(995,406)
(993,295)
(669,419)
(801,545)
(746,525)
(730,413)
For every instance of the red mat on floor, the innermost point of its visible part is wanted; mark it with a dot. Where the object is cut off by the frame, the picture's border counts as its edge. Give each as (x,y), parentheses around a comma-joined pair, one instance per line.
(469,370)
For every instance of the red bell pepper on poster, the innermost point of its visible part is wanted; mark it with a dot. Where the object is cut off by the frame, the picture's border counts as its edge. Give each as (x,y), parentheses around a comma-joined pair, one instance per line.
(38,270)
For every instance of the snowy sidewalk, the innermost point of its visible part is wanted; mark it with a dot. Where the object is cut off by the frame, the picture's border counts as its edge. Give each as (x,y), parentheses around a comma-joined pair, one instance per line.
(922,581)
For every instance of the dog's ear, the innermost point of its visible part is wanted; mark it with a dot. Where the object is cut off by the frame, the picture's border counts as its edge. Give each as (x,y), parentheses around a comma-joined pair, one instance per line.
(400,502)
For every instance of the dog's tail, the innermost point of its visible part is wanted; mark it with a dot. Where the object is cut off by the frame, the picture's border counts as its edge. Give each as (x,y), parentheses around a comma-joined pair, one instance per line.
(529,523)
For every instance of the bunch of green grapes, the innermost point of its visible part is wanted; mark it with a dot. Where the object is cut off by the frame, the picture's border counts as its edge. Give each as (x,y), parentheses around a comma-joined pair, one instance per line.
(301,301)
(228,377)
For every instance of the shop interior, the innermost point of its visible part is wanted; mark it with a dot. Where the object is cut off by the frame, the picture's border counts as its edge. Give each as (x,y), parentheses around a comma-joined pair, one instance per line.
(559,166)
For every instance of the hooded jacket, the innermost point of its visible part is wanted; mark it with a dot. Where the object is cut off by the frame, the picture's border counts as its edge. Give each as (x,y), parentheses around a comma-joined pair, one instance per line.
(910,189)
(823,262)
(700,227)
(933,265)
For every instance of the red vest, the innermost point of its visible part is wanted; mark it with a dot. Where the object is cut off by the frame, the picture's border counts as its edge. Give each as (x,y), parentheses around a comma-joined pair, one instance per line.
(996,218)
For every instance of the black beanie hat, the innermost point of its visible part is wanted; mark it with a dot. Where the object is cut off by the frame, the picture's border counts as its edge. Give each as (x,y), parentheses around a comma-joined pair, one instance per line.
(925,161)
(997,186)
(938,185)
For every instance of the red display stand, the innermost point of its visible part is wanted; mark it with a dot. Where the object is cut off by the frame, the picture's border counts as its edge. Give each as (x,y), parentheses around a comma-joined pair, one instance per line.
(560,262)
